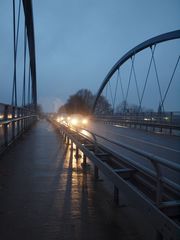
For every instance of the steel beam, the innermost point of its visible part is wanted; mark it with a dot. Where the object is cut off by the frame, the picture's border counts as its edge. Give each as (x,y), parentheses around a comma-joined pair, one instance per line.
(28,12)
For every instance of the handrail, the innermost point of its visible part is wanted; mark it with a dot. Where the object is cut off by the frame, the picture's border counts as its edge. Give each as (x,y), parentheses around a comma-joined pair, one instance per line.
(3,122)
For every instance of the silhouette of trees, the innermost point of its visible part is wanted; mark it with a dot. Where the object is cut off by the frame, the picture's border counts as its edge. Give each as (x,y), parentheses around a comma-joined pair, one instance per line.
(82,102)
(103,107)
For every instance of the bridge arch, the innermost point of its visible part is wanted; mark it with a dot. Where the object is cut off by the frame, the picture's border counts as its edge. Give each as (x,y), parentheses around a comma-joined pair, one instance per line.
(146,44)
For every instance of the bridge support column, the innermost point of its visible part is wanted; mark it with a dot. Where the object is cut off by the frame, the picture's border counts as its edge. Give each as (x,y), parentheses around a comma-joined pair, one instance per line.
(116,195)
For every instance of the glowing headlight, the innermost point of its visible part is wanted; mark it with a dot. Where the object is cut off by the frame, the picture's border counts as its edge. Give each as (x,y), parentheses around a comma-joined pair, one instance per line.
(74,121)
(62,118)
(84,121)
(58,119)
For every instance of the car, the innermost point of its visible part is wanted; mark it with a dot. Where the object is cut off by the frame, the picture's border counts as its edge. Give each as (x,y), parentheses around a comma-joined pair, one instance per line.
(78,120)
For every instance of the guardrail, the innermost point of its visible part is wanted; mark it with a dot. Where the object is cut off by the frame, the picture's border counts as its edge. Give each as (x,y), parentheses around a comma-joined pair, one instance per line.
(13,122)
(150,121)
(147,189)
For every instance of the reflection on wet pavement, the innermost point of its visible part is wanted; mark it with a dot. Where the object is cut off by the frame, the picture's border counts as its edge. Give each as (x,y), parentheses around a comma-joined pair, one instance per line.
(45,194)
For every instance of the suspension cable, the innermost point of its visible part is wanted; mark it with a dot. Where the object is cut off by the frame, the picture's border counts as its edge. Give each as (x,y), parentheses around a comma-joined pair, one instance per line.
(15,43)
(157,78)
(29,83)
(147,76)
(110,92)
(122,89)
(165,95)
(24,75)
(116,89)
(135,78)
(130,76)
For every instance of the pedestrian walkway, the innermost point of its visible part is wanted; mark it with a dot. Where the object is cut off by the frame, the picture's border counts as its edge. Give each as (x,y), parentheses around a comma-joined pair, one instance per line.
(44,194)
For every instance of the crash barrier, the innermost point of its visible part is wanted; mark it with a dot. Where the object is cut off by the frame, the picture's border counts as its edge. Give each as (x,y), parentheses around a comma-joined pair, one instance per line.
(147,188)
(168,122)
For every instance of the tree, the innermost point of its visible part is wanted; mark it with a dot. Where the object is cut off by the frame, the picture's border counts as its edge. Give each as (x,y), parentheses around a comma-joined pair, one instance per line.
(103,106)
(80,102)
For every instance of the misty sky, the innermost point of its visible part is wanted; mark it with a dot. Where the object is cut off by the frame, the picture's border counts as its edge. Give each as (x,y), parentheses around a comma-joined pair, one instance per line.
(78,41)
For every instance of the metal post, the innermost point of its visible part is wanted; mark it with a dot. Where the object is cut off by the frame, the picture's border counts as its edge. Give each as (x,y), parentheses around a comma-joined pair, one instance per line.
(77,152)
(71,146)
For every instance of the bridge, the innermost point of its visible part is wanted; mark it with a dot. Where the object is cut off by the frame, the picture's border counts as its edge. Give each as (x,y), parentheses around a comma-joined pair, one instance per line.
(116,177)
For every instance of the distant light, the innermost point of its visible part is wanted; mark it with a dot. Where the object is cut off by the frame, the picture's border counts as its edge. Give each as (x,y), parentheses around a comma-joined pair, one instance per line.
(9,116)
(58,119)
(166,118)
(84,121)
(1,116)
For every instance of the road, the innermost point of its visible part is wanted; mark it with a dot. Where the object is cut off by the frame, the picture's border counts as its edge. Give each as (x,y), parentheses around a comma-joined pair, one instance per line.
(165,146)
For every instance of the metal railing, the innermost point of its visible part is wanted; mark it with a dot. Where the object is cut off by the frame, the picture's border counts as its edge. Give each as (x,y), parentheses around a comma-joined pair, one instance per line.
(160,203)
(155,161)
(149,120)
(13,122)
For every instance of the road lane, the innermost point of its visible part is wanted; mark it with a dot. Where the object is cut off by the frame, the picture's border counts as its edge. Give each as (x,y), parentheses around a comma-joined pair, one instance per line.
(164,146)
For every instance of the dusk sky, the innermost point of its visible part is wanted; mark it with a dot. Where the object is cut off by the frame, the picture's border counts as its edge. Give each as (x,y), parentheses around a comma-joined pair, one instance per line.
(78,41)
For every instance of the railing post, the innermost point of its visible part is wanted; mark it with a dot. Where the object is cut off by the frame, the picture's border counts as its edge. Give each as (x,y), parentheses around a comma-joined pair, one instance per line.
(77,152)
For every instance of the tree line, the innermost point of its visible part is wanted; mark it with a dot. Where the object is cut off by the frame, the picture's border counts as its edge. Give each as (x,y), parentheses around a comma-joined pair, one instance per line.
(82,102)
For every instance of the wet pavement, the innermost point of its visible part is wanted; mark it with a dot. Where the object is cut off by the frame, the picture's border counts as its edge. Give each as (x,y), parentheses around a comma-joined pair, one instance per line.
(45,194)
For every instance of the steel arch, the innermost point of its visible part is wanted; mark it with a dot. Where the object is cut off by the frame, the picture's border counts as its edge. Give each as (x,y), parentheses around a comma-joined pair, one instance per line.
(28,12)
(148,43)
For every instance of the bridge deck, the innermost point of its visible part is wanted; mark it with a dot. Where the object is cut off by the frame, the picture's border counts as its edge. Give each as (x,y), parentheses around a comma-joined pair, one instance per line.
(45,195)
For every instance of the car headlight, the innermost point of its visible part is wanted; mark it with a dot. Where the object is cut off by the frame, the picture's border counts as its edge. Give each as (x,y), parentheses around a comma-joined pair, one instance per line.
(84,121)
(74,121)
